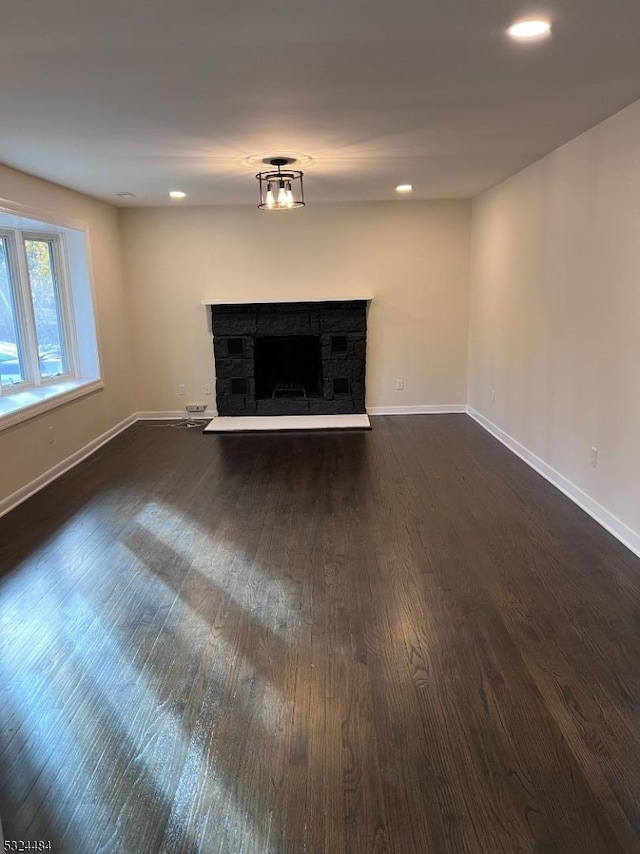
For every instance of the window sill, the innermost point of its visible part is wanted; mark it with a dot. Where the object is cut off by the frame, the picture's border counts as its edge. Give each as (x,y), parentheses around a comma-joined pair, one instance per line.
(23,405)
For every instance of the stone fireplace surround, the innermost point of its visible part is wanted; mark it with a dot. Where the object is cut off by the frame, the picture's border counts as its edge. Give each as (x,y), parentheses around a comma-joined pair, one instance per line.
(338,326)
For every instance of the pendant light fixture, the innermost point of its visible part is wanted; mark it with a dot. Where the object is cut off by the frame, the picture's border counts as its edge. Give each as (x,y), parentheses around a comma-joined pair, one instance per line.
(280,190)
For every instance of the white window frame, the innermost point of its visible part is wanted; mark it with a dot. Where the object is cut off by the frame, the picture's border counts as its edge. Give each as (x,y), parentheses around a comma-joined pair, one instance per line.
(8,236)
(28,350)
(73,281)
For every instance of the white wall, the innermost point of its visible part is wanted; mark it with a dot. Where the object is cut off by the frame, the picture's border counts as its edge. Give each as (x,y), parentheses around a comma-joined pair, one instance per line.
(24,449)
(412,256)
(555,311)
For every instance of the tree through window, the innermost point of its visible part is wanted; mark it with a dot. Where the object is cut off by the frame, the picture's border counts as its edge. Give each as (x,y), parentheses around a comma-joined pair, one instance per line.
(46,307)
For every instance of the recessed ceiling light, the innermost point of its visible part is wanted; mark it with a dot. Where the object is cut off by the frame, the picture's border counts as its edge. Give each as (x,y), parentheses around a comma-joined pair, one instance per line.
(404,188)
(177,194)
(126,195)
(533,29)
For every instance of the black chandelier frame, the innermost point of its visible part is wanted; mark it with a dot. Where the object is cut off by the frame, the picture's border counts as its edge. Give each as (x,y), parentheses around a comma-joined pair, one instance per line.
(289,180)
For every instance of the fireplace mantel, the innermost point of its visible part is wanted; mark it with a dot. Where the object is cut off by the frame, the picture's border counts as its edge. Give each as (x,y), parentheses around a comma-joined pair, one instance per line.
(255,301)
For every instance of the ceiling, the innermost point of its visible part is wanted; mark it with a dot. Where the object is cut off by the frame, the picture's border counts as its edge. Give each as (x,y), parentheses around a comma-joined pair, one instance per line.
(148,96)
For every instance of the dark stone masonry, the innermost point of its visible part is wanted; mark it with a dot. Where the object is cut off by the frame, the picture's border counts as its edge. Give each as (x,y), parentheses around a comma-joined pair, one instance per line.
(294,358)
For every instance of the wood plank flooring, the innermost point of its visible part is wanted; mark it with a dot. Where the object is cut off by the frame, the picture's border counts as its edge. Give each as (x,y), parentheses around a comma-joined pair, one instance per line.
(400,641)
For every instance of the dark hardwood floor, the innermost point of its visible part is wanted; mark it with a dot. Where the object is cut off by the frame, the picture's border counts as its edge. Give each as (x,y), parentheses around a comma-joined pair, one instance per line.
(398,641)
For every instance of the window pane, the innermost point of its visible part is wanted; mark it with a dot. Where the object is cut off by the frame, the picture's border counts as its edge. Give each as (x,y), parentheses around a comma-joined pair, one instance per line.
(46,308)
(10,368)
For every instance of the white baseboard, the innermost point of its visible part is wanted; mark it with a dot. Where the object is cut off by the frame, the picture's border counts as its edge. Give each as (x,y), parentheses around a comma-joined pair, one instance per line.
(627,536)
(436,409)
(174,415)
(11,501)
(446,409)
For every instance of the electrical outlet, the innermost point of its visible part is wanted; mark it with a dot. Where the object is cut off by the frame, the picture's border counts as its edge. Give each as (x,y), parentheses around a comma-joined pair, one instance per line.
(182,389)
(196,407)
(207,388)
(50,436)
(399,385)
(594,457)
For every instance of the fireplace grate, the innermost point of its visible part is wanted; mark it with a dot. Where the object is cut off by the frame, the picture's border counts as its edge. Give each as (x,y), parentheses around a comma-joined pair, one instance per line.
(284,389)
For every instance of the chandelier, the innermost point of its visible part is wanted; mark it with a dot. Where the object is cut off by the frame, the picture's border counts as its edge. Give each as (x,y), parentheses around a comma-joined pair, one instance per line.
(280,190)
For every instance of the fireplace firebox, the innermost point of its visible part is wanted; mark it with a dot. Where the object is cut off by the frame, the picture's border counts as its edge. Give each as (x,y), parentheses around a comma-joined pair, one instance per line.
(288,366)
(290,358)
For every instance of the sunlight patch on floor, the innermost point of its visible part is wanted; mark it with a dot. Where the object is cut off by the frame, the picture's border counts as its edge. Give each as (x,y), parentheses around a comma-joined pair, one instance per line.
(217,560)
(122,708)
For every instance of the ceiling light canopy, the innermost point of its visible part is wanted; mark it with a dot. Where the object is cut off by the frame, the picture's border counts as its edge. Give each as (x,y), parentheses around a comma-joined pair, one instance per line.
(533,29)
(280,190)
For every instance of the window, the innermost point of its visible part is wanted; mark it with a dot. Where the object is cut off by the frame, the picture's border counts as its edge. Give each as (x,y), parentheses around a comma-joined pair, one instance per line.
(34,327)
(44,284)
(10,368)
(45,301)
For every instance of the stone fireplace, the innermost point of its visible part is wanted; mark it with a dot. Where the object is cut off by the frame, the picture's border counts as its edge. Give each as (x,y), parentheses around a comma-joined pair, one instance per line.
(290,358)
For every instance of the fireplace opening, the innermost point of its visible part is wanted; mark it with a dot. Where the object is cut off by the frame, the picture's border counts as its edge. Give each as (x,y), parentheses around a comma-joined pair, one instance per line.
(288,366)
